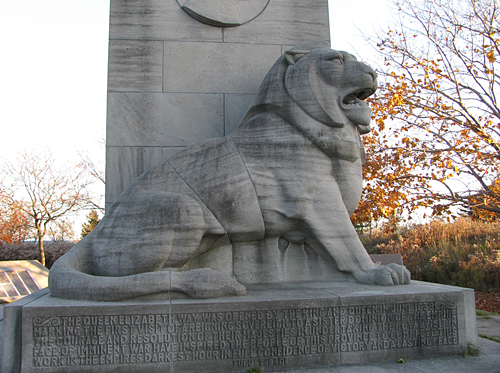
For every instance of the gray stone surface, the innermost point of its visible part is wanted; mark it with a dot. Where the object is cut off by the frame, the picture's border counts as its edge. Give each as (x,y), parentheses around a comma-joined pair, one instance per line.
(235,107)
(1,339)
(224,12)
(277,327)
(12,346)
(248,207)
(135,65)
(489,325)
(488,361)
(127,161)
(157,20)
(157,48)
(168,122)
(287,22)
(229,62)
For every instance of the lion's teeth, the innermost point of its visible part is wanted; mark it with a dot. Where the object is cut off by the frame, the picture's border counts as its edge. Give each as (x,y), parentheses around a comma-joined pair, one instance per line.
(350,100)
(363,93)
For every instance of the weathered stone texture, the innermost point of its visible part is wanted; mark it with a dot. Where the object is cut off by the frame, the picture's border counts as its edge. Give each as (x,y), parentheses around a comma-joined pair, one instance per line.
(155,47)
(124,162)
(235,106)
(229,13)
(135,66)
(289,22)
(157,20)
(276,327)
(163,119)
(215,67)
(279,189)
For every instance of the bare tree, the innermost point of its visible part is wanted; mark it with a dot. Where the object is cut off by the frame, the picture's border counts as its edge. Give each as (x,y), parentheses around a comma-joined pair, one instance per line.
(95,168)
(45,191)
(61,230)
(436,138)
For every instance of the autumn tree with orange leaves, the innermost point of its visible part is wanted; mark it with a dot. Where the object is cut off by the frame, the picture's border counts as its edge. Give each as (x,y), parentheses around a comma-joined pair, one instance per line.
(14,224)
(436,130)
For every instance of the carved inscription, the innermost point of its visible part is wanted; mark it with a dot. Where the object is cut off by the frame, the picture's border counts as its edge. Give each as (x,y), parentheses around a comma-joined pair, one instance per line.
(243,338)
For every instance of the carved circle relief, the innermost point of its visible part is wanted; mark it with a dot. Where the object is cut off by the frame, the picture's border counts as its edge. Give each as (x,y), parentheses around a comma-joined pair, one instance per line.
(223,13)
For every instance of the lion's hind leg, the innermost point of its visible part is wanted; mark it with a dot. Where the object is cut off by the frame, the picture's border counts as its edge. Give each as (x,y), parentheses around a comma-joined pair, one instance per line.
(125,255)
(142,231)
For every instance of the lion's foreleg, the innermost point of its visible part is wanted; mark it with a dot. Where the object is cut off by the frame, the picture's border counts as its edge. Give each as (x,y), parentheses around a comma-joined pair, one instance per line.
(349,255)
(390,274)
(332,231)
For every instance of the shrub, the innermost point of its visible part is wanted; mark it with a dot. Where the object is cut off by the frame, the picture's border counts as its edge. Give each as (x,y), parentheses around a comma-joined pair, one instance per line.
(463,253)
(29,251)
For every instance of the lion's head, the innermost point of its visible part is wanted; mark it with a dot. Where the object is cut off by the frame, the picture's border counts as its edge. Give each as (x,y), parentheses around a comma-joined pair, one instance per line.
(329,85)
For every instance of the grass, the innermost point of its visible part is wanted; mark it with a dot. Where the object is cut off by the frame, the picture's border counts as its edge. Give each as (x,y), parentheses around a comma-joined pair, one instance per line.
(254,370)
(483,314)
(463,253)
(471,350)
(495,339)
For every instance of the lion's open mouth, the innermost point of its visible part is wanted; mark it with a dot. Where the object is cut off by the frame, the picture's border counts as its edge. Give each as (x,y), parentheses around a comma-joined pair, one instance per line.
(358,97)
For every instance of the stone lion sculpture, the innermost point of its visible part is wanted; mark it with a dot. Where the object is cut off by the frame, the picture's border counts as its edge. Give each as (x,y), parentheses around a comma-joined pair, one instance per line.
(265,204)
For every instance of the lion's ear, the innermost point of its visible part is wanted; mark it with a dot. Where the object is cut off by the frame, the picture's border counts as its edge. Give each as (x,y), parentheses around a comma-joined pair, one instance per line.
(292,56)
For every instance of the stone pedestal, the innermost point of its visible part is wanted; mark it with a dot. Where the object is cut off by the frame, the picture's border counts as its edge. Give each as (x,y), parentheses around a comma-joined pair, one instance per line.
(276,327)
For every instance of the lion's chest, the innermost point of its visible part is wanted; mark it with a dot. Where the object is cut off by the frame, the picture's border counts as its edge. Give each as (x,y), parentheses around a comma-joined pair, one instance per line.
(290,179)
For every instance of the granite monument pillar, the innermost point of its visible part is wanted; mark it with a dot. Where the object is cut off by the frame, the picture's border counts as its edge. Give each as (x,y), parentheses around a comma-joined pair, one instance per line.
(182,71)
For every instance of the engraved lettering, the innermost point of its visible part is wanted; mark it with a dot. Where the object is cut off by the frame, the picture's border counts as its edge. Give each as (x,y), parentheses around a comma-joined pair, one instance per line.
(244,338)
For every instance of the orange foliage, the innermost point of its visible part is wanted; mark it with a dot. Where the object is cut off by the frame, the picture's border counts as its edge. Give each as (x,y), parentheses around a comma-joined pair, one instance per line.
(14,228)
(436,120)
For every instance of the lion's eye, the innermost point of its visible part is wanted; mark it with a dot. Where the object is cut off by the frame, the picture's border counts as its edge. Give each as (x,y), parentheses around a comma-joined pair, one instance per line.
(337,59)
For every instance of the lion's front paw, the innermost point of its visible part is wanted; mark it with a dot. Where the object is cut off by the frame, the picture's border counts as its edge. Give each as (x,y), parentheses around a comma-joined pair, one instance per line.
(205,283)
(388,275)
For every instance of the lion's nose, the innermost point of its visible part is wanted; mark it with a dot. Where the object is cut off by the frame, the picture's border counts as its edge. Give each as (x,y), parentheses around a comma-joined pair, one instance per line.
(373,74)
(367,69)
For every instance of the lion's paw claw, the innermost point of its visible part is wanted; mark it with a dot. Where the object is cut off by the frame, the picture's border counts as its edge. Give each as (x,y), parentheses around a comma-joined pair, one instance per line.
(388,275)
(205,283)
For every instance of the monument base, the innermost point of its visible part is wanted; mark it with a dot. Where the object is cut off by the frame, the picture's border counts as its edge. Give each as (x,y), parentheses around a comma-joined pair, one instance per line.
(276,326)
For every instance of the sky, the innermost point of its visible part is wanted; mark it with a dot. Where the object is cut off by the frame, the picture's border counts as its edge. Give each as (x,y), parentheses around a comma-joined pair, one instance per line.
(53,70)
(53,74)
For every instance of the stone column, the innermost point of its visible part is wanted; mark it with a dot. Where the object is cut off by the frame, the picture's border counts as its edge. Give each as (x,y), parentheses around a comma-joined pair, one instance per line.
(174,78)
